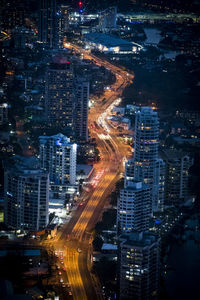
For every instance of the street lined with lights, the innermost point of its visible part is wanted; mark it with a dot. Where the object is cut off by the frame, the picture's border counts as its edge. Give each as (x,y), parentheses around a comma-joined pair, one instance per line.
(73,239)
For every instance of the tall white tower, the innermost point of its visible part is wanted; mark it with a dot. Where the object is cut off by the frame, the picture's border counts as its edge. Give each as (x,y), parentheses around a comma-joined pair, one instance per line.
(134,207)
(147,166)
(129,171)
(58,157)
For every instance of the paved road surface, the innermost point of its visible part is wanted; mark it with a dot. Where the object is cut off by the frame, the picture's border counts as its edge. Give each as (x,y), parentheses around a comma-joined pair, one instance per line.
(74,239)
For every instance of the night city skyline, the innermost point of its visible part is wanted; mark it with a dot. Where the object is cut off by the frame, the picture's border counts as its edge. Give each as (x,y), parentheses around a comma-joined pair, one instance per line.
(99,149)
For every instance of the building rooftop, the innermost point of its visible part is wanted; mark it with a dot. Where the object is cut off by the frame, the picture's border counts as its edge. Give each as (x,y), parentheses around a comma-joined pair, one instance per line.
(125,120)
(21,252)
(85,168)
(170,154)
(24,165)
(139,239)
(107,247)
(60,62)
(60,138)
(147,110)
(18,297)
(136,185)
(108,40)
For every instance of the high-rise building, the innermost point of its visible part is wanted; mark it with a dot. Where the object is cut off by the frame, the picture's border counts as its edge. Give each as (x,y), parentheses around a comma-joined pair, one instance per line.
(129,171)
(177,175)
(3,113)
(134,207)
(58,157)
(146,162)
(81,110)
(108,19)
(47,29)
(146,142)
(12,15)
(159,186)
(139,260)
(60,93)
(66,98)
(63,23)
(26,196)
(20,37)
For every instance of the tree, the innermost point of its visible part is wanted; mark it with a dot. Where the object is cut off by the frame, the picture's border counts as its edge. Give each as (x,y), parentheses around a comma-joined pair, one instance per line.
(106,270)
(97,243)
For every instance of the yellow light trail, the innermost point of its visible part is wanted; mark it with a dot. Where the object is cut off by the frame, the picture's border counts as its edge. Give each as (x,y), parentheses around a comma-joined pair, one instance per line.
(106,180)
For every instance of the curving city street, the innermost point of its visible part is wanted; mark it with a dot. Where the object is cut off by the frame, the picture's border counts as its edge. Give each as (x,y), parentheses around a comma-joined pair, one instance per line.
(75,239)
(99,149)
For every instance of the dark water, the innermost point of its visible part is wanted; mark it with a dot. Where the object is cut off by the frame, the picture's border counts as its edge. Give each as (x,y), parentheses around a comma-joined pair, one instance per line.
(184,281)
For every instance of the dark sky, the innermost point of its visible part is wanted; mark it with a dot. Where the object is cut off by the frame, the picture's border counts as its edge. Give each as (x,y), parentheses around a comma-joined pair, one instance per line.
(123,5)
(126,5)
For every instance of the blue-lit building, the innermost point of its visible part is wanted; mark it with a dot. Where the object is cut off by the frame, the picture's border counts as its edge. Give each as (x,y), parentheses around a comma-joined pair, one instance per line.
(58,157)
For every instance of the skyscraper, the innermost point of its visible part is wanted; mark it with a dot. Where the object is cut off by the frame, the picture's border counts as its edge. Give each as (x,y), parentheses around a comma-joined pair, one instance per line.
(108,19)
(66,98)
(3,113)
(81,111)
(60,93)
(58,157)
(63,23)
(139,249)
(12,15)
(147,165)
(177,175)
(129,171)
(139,258)
(47,29)
(159,186)
(134,207)
(26,195)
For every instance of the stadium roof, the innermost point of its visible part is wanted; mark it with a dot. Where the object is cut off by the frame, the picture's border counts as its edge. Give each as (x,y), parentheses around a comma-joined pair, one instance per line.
(108,40)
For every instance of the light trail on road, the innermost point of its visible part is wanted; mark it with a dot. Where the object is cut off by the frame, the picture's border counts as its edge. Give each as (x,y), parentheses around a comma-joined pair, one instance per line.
(112,152)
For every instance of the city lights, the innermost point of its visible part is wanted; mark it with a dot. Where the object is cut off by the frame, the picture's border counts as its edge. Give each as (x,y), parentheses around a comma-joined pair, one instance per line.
(99,149)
